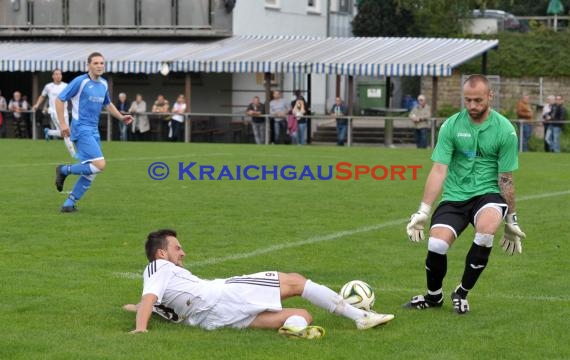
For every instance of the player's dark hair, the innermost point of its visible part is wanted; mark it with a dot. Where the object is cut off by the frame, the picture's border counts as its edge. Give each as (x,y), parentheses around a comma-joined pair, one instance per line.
(157,240)
(92,55)
(56,69)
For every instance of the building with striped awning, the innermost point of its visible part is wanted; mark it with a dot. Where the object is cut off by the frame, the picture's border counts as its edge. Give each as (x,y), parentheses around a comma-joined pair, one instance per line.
(374,57)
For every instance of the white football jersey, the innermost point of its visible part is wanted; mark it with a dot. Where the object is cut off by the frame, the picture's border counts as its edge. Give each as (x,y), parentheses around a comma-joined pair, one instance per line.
(177,289)
(52,90)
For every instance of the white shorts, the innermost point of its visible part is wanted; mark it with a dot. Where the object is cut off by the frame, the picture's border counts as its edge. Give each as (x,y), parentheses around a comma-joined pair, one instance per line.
(242,299)
(55,122)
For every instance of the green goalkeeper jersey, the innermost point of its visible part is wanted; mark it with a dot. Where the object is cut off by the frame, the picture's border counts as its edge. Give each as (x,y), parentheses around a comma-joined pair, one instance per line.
(475,154)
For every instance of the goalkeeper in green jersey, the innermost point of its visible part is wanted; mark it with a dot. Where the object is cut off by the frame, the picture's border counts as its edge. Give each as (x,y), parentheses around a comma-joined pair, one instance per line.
(473,161)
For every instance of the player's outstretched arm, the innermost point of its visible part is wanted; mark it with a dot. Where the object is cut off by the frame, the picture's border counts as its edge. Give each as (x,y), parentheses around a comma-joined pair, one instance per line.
(127,119)
(60,111)
(144,311)
(513,235)
(434,183)
(131,307)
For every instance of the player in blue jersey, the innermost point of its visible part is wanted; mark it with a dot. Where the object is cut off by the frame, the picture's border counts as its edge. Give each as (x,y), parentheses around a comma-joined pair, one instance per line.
(88,94)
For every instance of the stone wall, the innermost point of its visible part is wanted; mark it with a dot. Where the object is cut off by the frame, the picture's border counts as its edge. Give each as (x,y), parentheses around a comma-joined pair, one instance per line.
(510,90)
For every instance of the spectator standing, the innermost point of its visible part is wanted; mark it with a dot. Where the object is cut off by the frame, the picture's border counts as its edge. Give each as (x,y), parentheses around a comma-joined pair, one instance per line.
(3,108)
(255,109)
(546,118)
(555,127)
(525,113)
(300,129)
(339,109)
(176,124)
(161,106)
(51,91)
(141,125)
(420,115)
(18,106)
(122,105)
(278,108)
(301,121)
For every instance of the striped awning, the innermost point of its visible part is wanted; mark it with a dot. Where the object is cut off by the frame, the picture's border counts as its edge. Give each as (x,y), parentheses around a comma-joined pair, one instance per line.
(252,54)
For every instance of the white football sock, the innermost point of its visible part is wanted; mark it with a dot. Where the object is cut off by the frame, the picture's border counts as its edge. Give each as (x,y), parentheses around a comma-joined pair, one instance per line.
(94,169)
(296,321)
(55,133)
(327,299)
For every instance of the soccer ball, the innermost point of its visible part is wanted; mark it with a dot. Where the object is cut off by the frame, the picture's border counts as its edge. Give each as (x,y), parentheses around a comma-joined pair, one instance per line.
(358,294)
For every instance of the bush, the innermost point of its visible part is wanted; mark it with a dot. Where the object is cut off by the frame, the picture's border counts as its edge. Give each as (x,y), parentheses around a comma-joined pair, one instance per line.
(446,110)
(527,54)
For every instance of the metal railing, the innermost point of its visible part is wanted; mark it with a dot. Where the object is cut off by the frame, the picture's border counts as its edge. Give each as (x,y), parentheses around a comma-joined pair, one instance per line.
(212,123)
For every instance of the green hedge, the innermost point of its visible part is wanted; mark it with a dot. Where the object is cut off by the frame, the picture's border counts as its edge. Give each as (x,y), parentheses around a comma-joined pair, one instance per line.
(537,53)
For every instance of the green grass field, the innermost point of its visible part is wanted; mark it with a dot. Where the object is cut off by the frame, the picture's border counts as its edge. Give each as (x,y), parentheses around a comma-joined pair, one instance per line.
(66,276)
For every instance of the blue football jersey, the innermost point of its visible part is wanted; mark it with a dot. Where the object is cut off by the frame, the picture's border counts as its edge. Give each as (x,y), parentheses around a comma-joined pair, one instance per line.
(87,98)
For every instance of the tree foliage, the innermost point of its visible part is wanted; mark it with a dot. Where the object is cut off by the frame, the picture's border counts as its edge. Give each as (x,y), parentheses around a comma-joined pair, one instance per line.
(530,54)
(432,18)
(439,18)
(525,7)
(383,18)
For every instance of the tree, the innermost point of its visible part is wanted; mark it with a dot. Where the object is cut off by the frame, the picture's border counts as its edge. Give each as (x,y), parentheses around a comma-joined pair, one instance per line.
(525,7)
(439,18)
(383,18)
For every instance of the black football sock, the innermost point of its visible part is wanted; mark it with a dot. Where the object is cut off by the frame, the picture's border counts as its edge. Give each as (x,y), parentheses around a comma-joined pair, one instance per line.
(436,268)
(475,262)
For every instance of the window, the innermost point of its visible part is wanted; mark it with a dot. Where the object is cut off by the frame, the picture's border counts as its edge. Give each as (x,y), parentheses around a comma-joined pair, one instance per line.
(273,4)
(345,6)
(341,6)
(314,6)
(334,6)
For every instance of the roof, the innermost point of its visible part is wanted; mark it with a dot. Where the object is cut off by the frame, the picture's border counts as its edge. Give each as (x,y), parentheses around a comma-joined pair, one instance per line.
(252,54)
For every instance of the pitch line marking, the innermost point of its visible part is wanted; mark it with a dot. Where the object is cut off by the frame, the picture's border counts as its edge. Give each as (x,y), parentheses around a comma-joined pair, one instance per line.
(317,239)
(135,276)
(560,298)
(337,235)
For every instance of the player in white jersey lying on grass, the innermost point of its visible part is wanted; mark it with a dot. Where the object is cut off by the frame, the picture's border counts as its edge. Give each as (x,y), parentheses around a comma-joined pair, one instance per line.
(248,301)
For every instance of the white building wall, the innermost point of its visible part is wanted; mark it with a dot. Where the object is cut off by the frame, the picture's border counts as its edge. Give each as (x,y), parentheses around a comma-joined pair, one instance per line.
(290,17)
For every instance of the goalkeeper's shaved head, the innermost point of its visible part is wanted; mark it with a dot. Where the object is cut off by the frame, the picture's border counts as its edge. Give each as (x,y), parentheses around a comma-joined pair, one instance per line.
(476,79)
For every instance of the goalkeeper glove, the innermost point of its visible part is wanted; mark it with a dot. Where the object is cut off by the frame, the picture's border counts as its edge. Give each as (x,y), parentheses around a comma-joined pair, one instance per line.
(511,241)
(415,227)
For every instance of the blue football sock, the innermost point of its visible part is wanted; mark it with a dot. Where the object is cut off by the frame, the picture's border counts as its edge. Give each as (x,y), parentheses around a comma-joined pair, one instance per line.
(70,201)
(81,186)
(77,169)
